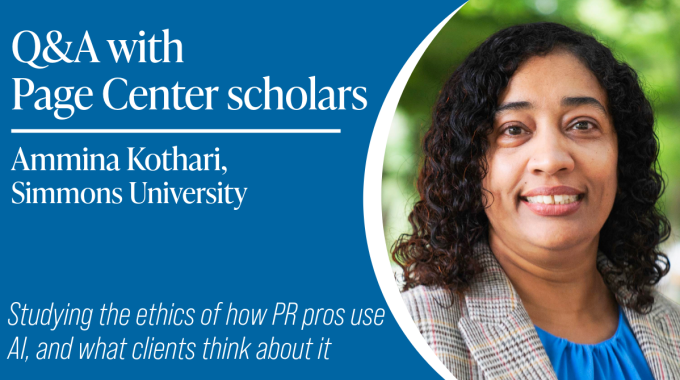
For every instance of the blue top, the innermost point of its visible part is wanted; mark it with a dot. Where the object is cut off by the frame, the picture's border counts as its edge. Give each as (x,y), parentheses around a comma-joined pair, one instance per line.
(617,358)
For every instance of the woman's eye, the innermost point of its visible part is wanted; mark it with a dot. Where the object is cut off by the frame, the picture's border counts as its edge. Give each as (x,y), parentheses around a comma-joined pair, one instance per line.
(514,131)
(582,125)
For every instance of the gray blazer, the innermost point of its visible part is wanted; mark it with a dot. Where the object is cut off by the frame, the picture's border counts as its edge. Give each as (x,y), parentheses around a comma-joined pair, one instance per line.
(488,334)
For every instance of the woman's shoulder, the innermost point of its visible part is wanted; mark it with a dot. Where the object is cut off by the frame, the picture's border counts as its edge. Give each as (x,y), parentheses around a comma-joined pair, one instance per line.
(434,305)
(436,312)
(667,307)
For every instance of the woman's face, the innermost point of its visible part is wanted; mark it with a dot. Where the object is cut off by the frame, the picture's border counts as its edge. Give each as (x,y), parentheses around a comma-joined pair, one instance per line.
(552,157)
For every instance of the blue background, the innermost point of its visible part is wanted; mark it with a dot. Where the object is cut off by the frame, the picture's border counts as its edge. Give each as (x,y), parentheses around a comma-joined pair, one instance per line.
(299,235)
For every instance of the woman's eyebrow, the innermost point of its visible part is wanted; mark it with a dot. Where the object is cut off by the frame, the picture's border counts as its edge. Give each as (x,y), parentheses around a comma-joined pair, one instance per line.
(514,106)
(583,100)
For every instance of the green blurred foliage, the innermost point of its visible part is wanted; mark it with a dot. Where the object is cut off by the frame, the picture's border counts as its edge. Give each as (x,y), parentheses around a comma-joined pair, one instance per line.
(641,33)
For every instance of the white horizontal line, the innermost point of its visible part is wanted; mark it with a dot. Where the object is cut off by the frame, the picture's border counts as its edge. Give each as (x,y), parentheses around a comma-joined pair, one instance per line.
(175,131)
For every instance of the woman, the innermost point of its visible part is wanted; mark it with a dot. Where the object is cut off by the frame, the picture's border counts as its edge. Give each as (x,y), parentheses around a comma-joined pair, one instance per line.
(534,248)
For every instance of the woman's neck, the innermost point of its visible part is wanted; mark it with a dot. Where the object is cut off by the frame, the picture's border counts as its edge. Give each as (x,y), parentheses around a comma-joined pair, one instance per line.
(562,291)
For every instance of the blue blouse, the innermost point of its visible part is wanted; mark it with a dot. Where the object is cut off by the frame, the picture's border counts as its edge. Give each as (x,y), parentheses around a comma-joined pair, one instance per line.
(617,358)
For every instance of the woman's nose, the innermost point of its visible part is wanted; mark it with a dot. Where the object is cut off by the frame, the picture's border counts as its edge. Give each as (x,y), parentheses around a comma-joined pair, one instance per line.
(551,154)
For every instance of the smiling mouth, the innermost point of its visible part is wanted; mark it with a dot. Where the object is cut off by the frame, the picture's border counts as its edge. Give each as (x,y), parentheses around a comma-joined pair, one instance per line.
(553,205)
(557,199)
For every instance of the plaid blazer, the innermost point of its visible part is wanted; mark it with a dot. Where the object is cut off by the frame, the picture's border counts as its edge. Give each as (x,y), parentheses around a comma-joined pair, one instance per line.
(488,334)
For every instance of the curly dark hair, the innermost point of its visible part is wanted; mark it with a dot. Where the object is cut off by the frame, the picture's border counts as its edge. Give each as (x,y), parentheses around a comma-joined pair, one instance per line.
(449,218)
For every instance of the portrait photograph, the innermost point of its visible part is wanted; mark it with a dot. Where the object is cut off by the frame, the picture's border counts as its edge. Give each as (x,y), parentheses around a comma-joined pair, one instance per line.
(531,191)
